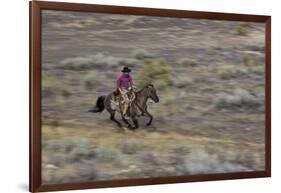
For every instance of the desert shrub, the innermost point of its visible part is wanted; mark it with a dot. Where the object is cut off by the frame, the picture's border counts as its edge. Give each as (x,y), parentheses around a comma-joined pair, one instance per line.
(106,154)
(69,150)
(231,71)
(154,70)
(48,86)
(240,99)
(76,172)
(170,99)
(258,70)
(90,80)
(149,158)
(71,160)
(103,61)
(76,63)
(52,86)
(251,63)
(86,22)
(250,60)
(130,62)
(227,72)
(241,31)
(246,24)
(80,152)
(129,147)
(97,61)
(58,146)
(201,79)
(159,84)
(75,23)
(257,48)
(182,81)
(74,160)
(54,122)
(202,162)
(182,149)
(187,62)
(141,54)
(85,171)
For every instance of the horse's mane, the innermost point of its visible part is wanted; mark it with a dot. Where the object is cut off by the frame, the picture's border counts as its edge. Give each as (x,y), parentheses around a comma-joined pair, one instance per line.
(146,86)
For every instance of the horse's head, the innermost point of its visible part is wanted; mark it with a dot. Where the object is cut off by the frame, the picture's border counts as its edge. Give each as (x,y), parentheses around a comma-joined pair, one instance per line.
(151,93)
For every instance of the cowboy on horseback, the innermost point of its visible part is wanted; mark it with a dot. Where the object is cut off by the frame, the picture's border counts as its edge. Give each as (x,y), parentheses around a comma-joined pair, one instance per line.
(131,103)
(125,89)
(137,103)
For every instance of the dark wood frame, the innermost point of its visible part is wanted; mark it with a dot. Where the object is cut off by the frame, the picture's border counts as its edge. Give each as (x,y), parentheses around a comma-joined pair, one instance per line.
(35,93)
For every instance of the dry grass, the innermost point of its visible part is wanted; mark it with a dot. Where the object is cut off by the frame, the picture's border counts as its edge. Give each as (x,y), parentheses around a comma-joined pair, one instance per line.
(104,153)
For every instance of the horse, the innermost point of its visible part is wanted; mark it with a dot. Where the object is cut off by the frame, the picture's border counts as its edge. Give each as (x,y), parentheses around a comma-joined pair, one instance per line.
(137,108)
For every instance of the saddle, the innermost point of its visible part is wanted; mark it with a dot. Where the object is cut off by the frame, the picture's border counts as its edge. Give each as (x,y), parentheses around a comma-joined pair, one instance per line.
(124,100)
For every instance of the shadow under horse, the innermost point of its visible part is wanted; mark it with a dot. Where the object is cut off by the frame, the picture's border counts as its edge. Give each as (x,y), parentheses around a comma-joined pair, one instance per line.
(137,108)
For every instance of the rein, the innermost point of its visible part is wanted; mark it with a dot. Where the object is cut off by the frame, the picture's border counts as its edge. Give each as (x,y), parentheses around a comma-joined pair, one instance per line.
(136,97)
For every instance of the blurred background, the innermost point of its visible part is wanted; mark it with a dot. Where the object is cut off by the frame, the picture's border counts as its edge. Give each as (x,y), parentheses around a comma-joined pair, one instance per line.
(209,76)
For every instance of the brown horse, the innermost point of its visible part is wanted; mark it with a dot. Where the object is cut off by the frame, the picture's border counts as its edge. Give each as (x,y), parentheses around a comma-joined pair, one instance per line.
(137,108)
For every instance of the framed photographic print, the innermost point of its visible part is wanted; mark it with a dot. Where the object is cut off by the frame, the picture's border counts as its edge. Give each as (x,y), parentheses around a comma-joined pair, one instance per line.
(123,96)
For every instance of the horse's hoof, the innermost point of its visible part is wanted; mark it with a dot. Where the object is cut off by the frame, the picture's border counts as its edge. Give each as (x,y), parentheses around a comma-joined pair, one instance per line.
(132,128)
(124,128)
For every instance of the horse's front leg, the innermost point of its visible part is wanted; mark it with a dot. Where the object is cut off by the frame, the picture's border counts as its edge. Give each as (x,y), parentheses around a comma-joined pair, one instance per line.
(145,112)
(150,118)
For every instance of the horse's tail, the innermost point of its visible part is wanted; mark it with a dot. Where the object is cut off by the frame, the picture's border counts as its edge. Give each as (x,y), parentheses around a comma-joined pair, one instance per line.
(99,105)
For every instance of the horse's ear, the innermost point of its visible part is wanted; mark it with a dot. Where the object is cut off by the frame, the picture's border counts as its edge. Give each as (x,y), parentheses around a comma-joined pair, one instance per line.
(149,85)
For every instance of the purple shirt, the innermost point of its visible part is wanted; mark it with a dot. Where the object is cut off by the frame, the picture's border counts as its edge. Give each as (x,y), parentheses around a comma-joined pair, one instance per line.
(124,81)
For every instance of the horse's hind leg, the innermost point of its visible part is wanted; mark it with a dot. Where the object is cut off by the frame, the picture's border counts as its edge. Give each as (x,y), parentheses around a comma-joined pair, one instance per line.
(127,122)
(112,117)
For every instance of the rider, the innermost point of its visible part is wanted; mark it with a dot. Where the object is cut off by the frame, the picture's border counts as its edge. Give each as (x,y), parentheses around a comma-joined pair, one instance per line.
(124,86)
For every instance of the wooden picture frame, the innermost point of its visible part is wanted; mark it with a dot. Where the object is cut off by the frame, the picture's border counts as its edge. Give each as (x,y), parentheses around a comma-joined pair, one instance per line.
(36,8)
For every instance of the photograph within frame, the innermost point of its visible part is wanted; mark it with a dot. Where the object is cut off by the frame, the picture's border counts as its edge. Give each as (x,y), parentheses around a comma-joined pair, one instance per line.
(72,151)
